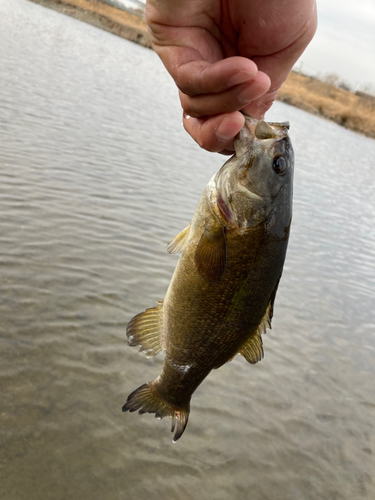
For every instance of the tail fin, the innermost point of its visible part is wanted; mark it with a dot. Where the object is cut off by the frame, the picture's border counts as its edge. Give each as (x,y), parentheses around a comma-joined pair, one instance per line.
(146,400)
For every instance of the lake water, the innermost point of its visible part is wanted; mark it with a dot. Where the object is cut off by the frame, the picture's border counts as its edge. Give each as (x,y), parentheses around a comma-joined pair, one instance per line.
(96,176)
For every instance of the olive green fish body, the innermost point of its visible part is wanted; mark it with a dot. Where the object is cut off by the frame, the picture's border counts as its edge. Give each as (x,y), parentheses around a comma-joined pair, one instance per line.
(220,299)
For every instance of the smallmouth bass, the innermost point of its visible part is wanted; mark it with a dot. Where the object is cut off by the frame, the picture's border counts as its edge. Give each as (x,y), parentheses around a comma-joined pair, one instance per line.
(220,299)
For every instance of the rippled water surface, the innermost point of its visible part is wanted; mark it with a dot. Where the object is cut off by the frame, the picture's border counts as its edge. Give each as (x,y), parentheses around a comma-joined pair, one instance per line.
(96,176)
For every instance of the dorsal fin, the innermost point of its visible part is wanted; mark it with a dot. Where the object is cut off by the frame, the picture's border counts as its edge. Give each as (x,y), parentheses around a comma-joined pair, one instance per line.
(211,254)
(145,330)
(178,241)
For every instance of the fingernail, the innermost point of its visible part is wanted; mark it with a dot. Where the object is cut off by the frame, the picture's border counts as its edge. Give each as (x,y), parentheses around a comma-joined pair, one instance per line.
(240,77)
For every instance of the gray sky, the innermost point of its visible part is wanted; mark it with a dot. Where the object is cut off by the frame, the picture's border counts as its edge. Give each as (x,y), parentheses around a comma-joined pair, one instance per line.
(344,43)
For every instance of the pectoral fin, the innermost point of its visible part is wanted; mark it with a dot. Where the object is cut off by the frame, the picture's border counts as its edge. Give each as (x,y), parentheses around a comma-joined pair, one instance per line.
(179,241)
(145,330)
(211,254)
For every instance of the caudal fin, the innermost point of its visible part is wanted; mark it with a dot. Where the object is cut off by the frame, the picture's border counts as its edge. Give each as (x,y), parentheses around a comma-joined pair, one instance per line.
(146,400)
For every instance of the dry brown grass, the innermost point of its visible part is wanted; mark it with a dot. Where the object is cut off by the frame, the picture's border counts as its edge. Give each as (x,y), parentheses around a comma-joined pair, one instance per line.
(350,110)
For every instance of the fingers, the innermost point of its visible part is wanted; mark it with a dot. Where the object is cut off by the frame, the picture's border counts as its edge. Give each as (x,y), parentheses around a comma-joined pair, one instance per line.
(201,77)
(228,101)
(214,82)
(215,133)
(213,120)
(259,107)
(278,65)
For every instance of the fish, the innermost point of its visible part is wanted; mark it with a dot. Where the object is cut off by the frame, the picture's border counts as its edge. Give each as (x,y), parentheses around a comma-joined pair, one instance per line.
(221,296)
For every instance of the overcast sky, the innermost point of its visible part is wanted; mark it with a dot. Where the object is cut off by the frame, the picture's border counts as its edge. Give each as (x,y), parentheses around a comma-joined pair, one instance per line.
(344,43)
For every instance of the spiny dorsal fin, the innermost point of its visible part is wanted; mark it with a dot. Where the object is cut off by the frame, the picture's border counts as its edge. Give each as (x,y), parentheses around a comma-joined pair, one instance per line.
(252,351)
(146,399)
(211,254)
(179,241)
(145,330)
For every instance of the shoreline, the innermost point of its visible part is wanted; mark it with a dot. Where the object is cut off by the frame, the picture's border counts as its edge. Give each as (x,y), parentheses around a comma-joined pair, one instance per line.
(352,111)
(103,16)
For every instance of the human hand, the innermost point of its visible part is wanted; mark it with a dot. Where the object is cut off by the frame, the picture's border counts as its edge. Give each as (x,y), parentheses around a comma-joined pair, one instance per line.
(226,56)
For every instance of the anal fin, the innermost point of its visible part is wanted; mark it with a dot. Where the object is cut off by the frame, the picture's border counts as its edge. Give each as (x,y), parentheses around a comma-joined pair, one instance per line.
(145,330)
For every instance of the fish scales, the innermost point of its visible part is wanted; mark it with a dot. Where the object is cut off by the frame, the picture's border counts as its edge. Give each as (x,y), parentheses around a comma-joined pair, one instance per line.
(220,299)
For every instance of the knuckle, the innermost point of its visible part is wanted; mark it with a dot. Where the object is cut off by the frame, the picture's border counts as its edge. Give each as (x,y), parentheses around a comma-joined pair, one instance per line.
(185,87)
(188,105)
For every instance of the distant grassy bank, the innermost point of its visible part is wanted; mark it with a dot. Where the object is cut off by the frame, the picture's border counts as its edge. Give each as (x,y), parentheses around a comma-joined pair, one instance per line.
(353,111)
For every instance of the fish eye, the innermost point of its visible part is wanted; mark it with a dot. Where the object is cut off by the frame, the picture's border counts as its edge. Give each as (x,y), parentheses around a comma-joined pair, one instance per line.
(279,165)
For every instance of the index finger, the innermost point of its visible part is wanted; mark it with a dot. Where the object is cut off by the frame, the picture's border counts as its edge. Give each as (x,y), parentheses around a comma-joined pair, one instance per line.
(201,77)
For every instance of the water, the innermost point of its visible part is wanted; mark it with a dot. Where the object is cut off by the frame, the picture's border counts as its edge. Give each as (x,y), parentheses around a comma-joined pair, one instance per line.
(96,176)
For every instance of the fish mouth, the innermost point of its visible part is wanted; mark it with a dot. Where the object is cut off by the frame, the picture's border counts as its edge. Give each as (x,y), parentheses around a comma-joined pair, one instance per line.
(262,130)
(259,131)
